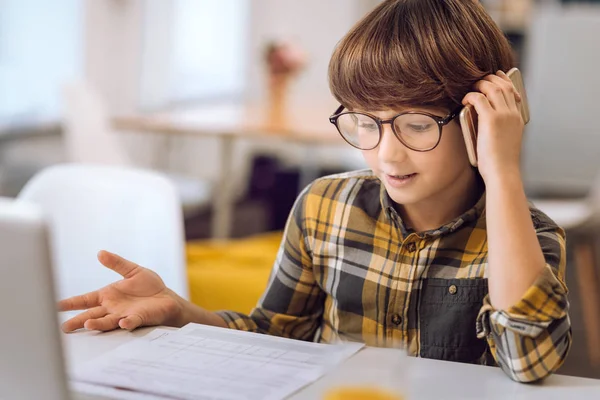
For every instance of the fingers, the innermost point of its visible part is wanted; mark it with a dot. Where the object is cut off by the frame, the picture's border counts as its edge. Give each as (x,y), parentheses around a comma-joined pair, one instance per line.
(92,299)
(508,89)
(505,77)
(493,92)
(106,323)
(118,264)
(79,321)
(500,91)
(98,319)
(479,101)
(82,302)
(131,322)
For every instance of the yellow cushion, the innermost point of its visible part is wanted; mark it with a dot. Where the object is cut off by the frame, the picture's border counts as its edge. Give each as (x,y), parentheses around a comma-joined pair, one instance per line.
(230,274)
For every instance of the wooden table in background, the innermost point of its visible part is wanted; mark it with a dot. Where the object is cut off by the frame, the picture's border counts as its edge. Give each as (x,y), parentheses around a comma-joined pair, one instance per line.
(307,126)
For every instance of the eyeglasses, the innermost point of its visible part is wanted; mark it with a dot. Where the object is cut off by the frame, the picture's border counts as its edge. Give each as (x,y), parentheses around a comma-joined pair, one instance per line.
(419,131)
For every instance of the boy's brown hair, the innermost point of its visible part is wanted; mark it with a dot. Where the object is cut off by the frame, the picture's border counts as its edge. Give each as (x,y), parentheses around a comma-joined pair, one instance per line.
(417,53)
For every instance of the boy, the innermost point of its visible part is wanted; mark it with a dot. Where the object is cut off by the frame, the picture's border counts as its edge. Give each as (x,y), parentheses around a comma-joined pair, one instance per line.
(421,251)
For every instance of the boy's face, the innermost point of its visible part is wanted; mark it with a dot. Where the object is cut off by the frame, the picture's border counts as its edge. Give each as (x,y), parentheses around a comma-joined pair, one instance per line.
(429,173)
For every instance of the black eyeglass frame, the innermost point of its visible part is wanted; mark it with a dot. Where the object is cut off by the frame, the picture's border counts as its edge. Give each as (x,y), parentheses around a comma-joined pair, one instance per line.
(441,122)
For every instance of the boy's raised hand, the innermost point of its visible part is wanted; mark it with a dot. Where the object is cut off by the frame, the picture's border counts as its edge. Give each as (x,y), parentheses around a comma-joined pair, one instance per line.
(139,299)
(500,125)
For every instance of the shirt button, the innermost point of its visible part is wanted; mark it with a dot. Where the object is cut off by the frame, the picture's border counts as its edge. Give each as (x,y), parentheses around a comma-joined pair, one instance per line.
(452,289)
(397,319)
(411,247)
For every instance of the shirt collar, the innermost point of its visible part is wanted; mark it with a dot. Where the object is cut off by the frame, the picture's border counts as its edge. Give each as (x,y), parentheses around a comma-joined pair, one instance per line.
(472,214)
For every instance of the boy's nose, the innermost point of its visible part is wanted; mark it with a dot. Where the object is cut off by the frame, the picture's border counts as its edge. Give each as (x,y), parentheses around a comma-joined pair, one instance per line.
(391,150)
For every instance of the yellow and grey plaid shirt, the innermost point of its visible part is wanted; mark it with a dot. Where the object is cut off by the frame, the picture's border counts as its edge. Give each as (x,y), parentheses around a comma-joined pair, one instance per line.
(348,269)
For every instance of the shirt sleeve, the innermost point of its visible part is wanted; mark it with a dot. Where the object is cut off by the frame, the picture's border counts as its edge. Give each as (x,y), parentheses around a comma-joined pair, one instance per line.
(531,339)
(292,304)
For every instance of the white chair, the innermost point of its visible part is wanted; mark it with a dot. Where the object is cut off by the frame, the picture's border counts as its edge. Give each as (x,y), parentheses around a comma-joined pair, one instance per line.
(133,213)
(89,139)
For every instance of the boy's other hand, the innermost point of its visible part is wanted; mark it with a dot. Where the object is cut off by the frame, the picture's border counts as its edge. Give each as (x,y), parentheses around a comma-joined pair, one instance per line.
(139,299)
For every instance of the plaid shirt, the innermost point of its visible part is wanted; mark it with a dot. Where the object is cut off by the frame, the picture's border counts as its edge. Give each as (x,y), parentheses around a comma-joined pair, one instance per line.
(348,269)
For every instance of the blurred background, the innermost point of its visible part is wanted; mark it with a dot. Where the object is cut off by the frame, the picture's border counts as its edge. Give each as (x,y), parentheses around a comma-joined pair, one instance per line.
(229,101)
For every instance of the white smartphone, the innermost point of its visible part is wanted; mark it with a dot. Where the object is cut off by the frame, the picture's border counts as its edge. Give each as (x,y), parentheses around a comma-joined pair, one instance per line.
(468,116)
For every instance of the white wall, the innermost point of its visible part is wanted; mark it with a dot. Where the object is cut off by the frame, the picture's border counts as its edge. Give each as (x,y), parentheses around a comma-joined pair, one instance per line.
(562,142)
(115,49)
(113,39)
(315,25)
(155,48)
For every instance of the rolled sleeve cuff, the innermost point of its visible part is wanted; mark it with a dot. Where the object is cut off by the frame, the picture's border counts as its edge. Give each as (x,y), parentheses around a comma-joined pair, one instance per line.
(238,321)
(544,302)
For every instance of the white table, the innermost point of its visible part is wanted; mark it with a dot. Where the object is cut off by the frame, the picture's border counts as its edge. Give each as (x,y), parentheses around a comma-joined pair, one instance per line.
(414,377)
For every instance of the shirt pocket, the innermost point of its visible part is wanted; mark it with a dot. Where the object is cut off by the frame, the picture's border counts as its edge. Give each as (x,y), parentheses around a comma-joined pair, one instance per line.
(448,310)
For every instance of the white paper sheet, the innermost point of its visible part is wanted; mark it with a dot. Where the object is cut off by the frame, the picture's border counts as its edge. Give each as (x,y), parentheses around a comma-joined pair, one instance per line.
(201,362)
(78,388)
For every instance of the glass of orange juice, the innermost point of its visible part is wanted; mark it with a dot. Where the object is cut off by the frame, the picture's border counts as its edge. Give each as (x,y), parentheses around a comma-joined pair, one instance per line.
(361,393)
(371,374)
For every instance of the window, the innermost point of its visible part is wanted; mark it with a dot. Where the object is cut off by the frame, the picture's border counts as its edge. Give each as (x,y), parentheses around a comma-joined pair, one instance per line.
(193,50)
(209,49)
(40,49)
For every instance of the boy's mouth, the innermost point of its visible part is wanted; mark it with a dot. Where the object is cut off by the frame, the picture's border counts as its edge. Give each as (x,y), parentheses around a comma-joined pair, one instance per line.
(402,176)
(399,180)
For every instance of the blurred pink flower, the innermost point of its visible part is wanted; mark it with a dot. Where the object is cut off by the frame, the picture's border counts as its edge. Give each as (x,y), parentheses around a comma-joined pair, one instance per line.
(284,58)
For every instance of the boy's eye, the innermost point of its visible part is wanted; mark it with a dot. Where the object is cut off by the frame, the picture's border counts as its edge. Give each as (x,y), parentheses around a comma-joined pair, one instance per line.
(367,125)
(420,127)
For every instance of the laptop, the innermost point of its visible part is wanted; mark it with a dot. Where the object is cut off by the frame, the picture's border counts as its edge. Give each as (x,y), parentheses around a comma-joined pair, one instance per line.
(31,361)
